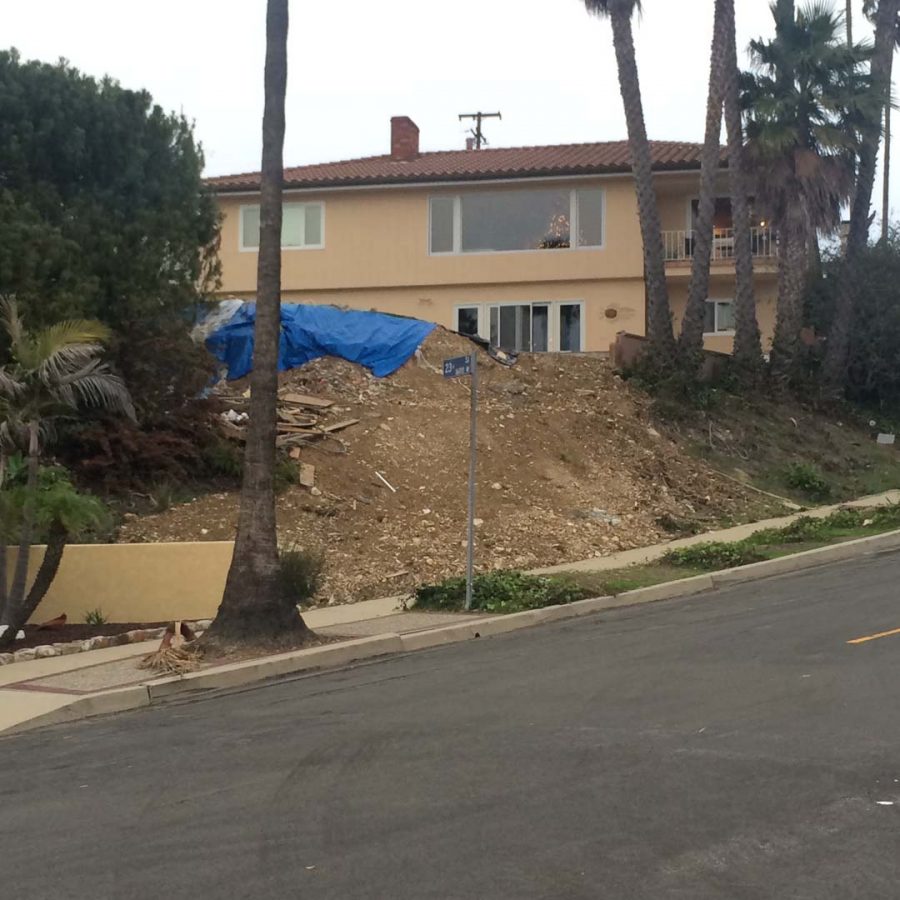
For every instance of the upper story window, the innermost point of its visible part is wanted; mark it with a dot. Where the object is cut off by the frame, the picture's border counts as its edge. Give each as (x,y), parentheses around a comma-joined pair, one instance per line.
(302,226)
(514,220)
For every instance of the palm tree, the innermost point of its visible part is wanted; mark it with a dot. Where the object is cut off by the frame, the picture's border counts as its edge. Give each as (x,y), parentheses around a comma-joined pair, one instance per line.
(838,347)
(806,101)
(50,374)
(254,604)
(691,338)
(870,8)
(659,313)
(747,343)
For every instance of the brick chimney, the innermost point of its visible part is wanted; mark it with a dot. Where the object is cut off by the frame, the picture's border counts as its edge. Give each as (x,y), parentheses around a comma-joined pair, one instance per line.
(404,139)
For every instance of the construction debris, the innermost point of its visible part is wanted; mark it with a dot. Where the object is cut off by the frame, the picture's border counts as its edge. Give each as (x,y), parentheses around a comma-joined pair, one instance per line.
(558,433)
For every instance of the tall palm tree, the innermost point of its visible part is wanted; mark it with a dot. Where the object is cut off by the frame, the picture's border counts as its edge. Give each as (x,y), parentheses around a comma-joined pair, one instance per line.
(806,100)
(691,338)
(254,605)
(885,16)
(747,342)
(659,313)
(870,9)
(50,374)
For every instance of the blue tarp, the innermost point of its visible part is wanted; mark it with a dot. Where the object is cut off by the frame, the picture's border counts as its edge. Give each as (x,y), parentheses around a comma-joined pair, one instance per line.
(377,341)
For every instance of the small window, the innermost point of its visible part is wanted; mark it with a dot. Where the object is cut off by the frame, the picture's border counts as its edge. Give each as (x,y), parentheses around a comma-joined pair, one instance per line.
(301,226)
(467,320)
(719,317)
(442,224)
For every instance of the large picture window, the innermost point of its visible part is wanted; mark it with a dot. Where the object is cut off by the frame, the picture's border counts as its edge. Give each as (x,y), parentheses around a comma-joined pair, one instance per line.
(499,221)
(301,226)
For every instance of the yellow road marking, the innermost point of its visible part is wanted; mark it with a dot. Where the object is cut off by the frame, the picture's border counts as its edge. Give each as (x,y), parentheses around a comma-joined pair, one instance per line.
(873,637)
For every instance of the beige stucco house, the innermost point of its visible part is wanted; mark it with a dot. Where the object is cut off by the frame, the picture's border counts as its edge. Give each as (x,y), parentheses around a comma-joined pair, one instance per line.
(535,248)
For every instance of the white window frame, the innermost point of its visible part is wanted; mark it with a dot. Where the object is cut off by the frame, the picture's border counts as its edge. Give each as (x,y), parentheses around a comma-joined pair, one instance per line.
(320,246)
(573,227)
(725,332)
(553,333)
(479,307)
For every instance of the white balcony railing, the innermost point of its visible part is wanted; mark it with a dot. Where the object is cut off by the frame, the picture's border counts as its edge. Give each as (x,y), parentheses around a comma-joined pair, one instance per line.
(679,245)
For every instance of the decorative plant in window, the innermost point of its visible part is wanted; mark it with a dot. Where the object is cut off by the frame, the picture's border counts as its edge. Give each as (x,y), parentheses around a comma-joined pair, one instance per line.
(558,233)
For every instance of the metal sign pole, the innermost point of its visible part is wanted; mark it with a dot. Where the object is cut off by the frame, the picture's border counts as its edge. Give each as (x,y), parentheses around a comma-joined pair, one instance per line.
(470,552)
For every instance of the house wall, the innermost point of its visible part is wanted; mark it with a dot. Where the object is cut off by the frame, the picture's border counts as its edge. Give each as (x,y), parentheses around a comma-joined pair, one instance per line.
(721,287)
(376,256)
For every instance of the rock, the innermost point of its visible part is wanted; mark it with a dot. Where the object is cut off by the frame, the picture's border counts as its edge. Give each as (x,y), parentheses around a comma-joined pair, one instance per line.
(24,655)
(478,522)
(86,645)
(653,432)
(496,486)
(68,649)
(6,659)
(99,642)
(45,651)
(136,636)
(316,492)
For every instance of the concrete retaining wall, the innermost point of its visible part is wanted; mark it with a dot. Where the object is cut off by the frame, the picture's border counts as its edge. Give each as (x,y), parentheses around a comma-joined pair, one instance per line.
(136,582)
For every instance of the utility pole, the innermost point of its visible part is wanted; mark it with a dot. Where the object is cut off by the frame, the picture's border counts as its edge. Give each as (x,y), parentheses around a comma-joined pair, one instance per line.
(476,132)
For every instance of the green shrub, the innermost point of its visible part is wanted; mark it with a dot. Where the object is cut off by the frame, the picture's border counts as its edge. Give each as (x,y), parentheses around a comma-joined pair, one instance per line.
(712,555)
(286,474)
(500,592)
(300,573)
(95,617)
(807,479)
(225,459)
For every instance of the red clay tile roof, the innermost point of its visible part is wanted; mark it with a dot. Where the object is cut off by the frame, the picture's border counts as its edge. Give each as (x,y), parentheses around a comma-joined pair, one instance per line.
(474,165)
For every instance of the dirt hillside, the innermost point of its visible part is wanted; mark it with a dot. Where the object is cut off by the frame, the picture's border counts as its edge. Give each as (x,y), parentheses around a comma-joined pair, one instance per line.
(569,467)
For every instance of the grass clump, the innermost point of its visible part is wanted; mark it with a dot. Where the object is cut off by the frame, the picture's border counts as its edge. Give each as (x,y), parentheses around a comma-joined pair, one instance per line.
(500,592)
(95,617)
(300,573)
(808,480)
(712,555)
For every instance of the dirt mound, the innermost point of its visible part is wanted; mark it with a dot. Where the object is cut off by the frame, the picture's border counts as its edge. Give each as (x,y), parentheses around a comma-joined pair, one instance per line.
(569,467)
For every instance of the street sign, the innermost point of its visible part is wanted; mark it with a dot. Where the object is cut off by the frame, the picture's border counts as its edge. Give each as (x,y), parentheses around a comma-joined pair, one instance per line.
(459,365)
(453,368)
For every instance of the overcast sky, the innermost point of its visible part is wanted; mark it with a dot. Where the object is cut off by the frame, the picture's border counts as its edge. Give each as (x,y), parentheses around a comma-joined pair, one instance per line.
(353,64)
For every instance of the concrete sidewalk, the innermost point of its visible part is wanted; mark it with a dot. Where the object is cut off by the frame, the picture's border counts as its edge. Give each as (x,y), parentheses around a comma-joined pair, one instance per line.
(641,555)
(38,689)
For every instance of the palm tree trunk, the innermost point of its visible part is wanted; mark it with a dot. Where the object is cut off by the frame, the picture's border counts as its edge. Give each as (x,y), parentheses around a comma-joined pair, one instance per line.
(4,572)
(19,584)
(792,263)
(53,554)
(254,606)
(886,183)
(747,343)
(659,314)
(838,346)
(691,338)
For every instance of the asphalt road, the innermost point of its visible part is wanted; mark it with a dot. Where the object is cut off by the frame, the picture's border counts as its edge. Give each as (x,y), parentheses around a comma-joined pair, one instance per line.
(731,746)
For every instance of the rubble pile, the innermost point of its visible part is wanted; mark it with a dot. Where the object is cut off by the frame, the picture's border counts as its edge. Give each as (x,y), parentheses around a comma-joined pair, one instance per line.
(569,466)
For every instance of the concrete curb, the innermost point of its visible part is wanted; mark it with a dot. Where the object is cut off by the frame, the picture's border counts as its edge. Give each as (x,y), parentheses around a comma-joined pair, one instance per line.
(341,654)
(114,701)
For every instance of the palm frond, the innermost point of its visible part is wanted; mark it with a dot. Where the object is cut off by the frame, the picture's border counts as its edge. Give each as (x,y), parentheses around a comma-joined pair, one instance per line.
(104,390)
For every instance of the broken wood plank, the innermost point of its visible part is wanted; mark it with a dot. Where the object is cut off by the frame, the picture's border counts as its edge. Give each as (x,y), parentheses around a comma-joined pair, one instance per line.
(295,453)
(307,400)
(307,475)
(293,419)
(339,426)
(288,428)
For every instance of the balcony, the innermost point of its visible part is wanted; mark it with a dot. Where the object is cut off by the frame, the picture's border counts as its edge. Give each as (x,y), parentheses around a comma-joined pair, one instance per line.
(679,245)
